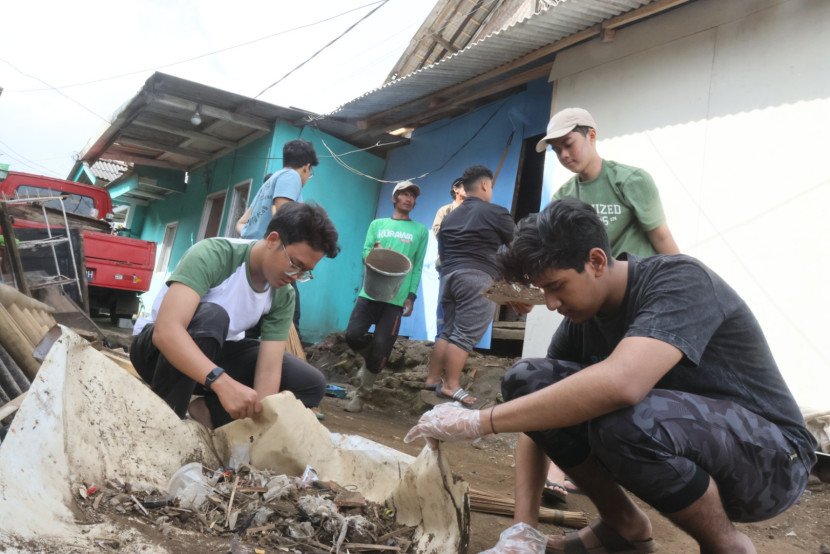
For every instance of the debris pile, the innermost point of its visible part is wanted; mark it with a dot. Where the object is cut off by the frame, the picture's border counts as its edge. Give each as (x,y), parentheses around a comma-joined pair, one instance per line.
(260,509)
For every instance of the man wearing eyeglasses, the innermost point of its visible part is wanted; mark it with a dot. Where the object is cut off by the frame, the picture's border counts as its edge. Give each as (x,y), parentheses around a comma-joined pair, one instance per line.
(194,342)
(408,237)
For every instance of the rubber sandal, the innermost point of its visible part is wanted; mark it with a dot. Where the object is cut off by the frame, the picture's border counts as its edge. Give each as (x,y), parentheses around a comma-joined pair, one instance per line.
(554,491)
(458,396)
(610,541)
(573,488)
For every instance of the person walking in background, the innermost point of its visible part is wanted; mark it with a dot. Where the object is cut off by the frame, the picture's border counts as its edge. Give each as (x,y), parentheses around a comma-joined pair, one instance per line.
(458,195)
(408,237)
(467,243)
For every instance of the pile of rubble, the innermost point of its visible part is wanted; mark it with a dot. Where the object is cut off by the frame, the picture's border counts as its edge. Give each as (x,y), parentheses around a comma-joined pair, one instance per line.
(254,508)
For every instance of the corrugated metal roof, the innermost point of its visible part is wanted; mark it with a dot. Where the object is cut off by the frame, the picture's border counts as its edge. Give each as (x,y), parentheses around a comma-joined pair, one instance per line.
(108,170)
(549,25)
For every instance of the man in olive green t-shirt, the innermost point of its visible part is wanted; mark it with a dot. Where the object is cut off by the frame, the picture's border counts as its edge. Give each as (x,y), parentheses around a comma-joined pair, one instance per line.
(625,197)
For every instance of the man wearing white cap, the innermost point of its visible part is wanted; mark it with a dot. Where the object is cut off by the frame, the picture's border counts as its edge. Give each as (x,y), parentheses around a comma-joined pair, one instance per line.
(625,197)
(408,237)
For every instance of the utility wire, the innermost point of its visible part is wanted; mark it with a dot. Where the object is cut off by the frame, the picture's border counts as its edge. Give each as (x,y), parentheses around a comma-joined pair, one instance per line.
(23,159)
(383,2)
(171,64)
(105,120)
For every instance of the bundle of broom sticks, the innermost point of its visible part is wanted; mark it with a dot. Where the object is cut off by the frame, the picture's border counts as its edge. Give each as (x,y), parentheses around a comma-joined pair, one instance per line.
(493,503)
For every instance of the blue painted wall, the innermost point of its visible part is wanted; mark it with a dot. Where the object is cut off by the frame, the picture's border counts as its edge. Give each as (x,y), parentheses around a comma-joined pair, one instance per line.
(350,199)
(434,149)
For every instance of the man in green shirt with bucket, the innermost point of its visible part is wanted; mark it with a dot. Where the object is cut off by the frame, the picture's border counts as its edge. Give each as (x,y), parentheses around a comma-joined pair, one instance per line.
(401,234)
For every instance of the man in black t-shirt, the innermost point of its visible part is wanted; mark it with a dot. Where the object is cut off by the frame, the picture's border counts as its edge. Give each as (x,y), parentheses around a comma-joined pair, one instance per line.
(468,240)
(659,380)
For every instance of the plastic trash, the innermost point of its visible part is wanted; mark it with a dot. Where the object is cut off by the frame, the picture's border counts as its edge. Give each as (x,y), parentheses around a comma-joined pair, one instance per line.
(190,486)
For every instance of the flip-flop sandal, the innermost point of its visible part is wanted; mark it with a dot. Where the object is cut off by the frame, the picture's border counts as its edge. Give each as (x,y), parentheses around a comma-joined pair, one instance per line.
(573,488)
(554,491)
(458,396)
(610,541)
(433,386)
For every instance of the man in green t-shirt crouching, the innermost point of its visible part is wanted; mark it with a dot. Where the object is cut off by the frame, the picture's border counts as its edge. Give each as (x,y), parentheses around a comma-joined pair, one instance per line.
(194,341)
(408,237)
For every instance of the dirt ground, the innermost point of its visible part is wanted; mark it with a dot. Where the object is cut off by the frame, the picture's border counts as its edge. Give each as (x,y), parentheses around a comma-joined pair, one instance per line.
(489,463)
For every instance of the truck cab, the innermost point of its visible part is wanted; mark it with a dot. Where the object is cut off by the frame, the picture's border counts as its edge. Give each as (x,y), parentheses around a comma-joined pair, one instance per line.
(118,268)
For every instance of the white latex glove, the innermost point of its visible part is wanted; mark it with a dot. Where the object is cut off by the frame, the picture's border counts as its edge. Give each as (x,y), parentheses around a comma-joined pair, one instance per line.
(447,422)
(520,539)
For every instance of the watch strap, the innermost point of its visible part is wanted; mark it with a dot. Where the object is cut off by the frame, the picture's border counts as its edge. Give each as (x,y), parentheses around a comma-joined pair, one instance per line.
(213,376)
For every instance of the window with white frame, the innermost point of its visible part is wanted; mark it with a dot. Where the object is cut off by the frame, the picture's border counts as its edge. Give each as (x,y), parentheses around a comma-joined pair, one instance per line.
(212,215)
(239,203)
(166,247)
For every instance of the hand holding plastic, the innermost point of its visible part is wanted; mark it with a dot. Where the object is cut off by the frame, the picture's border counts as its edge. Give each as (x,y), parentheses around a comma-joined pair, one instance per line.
(520,539)
(447,422)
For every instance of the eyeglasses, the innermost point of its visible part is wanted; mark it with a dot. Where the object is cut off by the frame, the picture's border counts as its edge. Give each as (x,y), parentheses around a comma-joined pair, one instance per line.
(310,173)
(301,274)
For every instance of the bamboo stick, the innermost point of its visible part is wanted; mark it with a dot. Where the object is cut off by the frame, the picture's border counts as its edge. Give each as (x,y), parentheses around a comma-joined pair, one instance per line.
(489,502)
(294,345)
(11,407)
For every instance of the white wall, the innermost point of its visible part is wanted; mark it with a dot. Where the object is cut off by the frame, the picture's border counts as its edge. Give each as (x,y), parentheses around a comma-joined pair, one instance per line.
(727,105)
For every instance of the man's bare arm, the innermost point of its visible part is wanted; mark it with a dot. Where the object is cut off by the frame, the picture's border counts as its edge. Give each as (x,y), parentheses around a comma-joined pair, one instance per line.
(662,240)
(243,220)
(279,201)
(269,368)
(621,380)
(171,337)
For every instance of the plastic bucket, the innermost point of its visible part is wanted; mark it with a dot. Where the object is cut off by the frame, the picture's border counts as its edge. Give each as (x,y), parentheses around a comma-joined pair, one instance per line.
(384,272)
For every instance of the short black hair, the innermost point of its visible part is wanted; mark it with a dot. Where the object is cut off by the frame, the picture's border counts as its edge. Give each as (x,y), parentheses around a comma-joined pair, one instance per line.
(560,237)
(582,129)
(305,222)
(473,174)
(459,182)
(297,153)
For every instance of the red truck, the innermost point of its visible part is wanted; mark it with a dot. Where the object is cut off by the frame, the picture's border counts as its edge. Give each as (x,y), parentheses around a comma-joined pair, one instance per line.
(118,268)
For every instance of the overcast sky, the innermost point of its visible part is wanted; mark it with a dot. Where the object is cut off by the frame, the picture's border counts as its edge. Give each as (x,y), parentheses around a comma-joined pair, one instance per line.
(66,67)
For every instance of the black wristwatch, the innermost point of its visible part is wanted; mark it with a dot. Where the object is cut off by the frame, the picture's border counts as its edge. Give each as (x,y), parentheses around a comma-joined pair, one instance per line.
(213,376)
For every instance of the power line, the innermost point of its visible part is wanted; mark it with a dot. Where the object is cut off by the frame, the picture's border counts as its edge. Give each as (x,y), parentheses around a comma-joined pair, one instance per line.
(383,2)
(171,64)
(105,120)
(24,160)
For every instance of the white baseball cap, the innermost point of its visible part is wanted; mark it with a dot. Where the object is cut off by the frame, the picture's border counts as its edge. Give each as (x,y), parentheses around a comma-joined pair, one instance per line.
(406,185)
(563,122)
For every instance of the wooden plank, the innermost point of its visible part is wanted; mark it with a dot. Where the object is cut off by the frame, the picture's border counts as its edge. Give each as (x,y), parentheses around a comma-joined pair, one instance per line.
(121,360)
(508,334)
(11,407)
